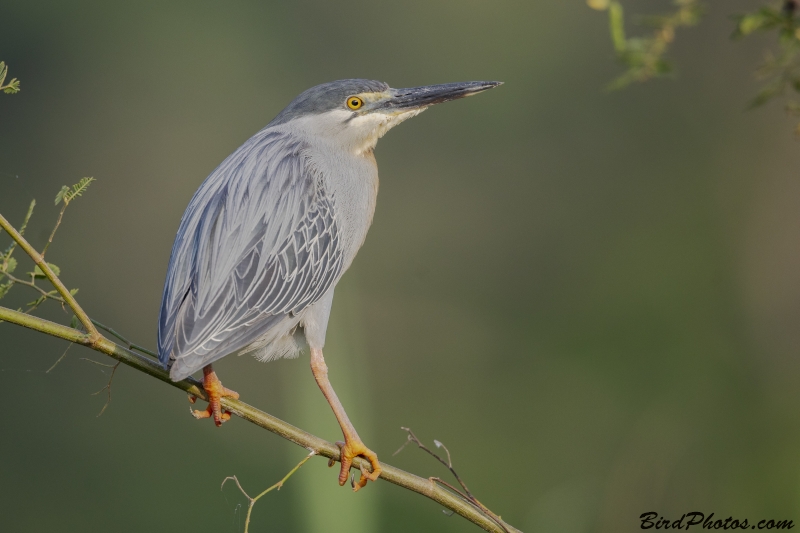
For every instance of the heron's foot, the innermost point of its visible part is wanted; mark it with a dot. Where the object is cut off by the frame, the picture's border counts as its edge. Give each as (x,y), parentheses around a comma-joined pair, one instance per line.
(215,391)
(349,450)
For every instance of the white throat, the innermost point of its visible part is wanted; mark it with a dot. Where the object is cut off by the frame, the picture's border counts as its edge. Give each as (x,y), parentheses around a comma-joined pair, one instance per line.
(355,134)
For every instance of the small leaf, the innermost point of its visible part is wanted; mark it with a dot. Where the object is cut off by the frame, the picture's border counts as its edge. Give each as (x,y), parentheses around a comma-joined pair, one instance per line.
(5,287)
(73,291)
(750,23)
(67,195)
(60,196)
(12,87)
(37,302)
(39,273)
(74,323)
(11,265)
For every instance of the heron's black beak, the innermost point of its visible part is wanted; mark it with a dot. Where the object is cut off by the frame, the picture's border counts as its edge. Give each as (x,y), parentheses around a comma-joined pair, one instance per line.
(416,97)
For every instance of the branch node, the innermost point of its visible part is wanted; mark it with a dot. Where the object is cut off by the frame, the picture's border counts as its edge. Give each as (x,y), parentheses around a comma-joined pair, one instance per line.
(276,486)
(466,495)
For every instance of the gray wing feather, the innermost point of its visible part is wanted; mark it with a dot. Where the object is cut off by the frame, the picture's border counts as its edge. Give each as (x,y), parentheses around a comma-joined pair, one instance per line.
(258,242)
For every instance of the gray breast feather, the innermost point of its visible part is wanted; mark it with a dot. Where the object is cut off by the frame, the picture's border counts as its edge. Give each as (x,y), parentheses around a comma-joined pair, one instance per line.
(258,243)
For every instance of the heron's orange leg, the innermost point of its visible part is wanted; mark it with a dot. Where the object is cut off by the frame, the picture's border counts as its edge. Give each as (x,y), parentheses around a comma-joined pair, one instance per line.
(215,390)
(352,446)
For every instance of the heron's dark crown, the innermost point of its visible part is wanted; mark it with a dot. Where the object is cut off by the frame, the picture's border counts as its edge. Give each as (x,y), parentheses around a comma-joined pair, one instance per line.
(326,97)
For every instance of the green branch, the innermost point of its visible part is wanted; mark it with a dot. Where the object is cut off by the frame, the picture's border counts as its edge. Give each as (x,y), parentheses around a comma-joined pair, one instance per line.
(399,477)
(96,341)
(93,334)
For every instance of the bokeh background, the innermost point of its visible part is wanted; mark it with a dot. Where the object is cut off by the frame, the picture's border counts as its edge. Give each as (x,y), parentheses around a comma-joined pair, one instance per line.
(591,298)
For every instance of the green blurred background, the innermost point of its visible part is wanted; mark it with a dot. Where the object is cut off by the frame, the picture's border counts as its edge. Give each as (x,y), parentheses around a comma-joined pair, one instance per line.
(591,298)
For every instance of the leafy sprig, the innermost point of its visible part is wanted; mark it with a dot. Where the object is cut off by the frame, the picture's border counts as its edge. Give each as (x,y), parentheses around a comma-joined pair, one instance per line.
(781,70)
(8,264)
(66,194)
(644,57)
(12,86)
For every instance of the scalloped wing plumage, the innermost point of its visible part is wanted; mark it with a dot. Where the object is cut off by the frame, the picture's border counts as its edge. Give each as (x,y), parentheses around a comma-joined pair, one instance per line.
(258,244)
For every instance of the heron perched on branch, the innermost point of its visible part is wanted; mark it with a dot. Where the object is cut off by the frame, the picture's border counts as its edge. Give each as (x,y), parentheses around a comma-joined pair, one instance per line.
(270,232)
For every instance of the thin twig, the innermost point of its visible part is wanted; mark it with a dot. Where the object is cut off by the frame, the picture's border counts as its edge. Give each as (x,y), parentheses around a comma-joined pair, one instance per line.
(52,296)
(143,350)
(400,449)
(108,385)
(277,485)
(34,286)
(98,363)
(448,463)
(53,233)
(63,355)
(131,346)
(13,245)
(466,495)
(93,335)
(449,460)
(45,295)
(451,487)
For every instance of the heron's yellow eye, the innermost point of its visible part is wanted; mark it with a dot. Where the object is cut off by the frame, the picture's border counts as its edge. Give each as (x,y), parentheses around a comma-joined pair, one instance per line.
(354,102)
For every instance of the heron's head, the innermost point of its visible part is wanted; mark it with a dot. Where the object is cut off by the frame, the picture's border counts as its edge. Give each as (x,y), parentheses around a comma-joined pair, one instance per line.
(354,114)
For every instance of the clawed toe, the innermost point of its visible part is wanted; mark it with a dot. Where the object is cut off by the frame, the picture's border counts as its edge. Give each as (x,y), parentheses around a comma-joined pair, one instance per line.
(348,451)
(215,391)
(218,415)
